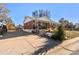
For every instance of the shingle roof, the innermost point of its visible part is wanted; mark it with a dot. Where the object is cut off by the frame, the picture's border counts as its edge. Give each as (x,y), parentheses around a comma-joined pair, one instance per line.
(44,19)
(27,19)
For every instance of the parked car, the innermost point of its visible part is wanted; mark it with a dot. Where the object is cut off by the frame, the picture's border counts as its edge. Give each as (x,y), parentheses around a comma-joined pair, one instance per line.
(35,31)
(45,34)
(3,28)
(48,34)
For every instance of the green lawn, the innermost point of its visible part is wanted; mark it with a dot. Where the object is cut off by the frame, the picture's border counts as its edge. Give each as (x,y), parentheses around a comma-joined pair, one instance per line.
(72,34)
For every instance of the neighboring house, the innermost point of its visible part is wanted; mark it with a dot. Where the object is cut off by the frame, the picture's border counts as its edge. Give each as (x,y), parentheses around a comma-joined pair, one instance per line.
(41,22)
(10,25)
(77,26)
(19,27)
(8,22)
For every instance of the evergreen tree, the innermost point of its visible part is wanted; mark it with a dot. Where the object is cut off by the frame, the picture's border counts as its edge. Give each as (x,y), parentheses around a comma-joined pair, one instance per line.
(59,34)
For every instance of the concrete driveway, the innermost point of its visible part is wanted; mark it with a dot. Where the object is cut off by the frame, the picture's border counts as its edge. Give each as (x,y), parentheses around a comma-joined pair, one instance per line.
(75,53)
(19,44)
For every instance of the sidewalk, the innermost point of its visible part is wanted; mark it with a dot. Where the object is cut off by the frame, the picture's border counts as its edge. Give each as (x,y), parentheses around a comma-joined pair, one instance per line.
(66,48)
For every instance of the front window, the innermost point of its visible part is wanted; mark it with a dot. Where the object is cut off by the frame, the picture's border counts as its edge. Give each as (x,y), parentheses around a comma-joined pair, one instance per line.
(43,25)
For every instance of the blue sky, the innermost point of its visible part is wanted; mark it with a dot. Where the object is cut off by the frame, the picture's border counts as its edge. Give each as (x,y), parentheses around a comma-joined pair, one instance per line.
(67,11)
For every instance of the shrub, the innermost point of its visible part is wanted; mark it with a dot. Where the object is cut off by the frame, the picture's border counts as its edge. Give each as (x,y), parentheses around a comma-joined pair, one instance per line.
(59,34)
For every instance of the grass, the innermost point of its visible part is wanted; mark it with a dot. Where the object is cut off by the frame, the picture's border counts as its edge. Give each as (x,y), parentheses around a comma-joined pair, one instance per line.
(72,34)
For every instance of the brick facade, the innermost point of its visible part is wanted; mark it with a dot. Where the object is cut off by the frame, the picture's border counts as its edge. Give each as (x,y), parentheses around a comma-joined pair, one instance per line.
(29,25)
(32,23)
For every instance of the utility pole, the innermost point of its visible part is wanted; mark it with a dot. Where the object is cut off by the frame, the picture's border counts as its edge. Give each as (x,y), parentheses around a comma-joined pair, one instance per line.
(37,26)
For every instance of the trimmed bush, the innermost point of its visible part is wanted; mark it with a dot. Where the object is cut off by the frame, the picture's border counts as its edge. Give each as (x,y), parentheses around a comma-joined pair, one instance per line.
(59,34)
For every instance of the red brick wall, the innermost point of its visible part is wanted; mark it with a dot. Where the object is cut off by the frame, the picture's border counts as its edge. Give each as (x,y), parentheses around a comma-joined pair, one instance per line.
(29,25)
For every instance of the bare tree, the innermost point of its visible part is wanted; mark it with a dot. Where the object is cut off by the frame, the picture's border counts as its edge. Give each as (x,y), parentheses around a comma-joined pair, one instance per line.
(41,13)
